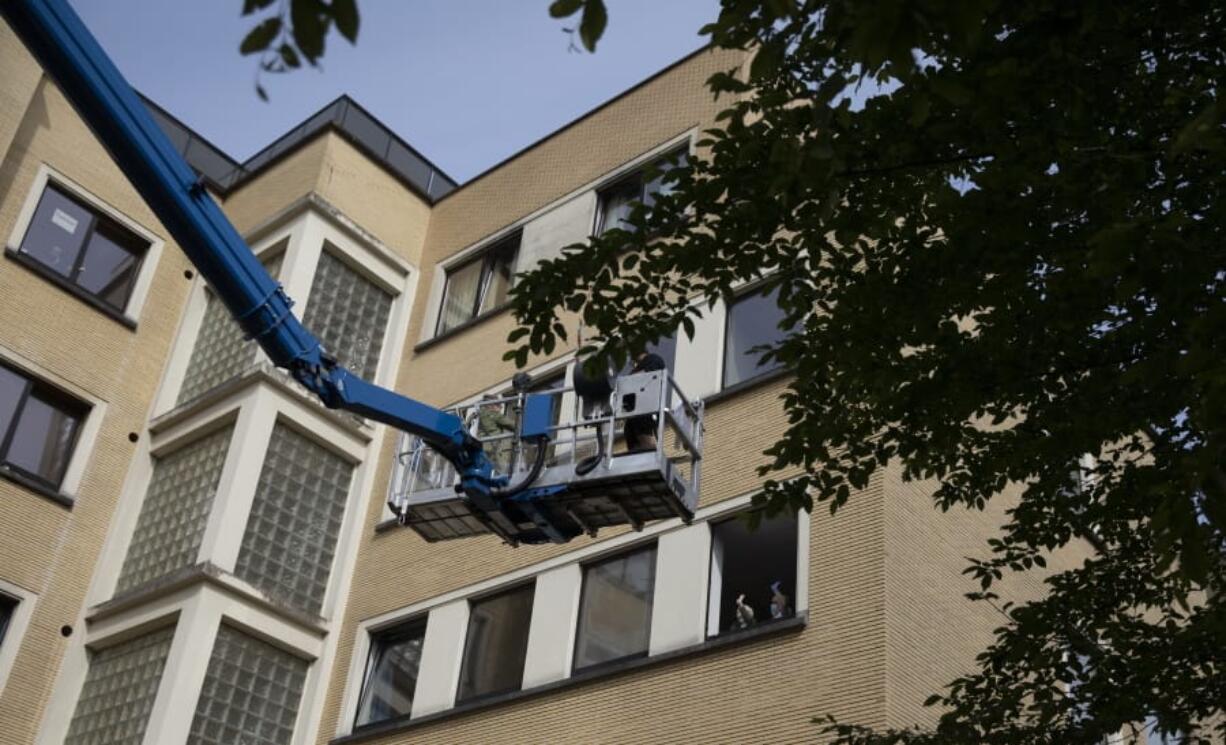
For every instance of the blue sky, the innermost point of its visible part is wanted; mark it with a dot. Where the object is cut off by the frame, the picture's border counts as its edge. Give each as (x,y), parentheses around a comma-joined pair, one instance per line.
(466,82)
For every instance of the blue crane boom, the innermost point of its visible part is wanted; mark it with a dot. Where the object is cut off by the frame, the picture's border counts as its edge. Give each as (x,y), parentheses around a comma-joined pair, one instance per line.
(66,49)
(553,502)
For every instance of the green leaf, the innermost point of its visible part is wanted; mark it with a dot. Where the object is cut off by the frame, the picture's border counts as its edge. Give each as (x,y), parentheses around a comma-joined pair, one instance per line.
(251,6)
(289,56)
(564,8)
(258,39)
(345,13)
(310,27)
(591,28)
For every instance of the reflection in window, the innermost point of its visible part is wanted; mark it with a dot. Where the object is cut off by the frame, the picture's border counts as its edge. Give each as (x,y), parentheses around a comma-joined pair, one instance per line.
(479,285)
(753,573)
(615,610)
(391,673)
(7,606)
(84,247)
(617,201)
(753,321)
(497,643)
(38,428)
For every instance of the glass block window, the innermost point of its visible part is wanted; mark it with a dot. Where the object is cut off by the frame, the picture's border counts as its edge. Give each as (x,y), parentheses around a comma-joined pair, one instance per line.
(250,695)
(391,673)
(615,608)
(119,691)
(176,509)
(349,313)
(221,353)
(290,540)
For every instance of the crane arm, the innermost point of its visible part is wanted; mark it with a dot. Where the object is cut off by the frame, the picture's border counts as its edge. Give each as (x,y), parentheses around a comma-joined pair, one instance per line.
(66,49)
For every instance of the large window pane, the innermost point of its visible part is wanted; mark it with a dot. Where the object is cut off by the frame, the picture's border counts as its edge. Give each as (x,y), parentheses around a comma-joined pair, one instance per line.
(349,313)
(615,611)
(119,691)
(7,606)
(753,573)
(616,204)
(84,247)
(478,286)
(175,511)
(497,643)
(753,321)
(251,693)
(295,520)
(391,673)
(38,427)
(57,231)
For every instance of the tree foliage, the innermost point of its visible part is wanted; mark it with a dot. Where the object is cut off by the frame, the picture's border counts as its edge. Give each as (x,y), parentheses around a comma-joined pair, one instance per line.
(1009,258)
(996,230)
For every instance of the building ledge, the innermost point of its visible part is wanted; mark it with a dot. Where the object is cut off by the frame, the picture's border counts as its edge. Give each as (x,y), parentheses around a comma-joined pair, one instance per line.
(54,278)
(262,372)
(456,331)
(203,573)
(746,385)
(36,486)
(728,639)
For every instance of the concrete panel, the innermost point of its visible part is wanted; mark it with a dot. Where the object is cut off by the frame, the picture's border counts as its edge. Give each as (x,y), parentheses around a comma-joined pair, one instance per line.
(551,639)
(441,655)
(680,600)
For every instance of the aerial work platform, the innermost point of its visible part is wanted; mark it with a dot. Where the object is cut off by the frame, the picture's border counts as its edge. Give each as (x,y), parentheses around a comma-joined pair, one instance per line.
(586,479)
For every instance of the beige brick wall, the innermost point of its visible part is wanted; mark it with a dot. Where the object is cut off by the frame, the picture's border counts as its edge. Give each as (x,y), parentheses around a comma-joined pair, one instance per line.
(44,547)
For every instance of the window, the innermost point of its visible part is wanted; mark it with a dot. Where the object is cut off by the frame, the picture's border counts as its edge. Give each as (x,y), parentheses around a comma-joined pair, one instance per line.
(617,201)
(753,320)
(119,690)
(615,609)
(250,695)
(7,606)
(478,286)
(753,573)
(497,643)
(221,352)
(295,520)
(175,512)
(38,428)
(83,249)
(349,314)
(391,673)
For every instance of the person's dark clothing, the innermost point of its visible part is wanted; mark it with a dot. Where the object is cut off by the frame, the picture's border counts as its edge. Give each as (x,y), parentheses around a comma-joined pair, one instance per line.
(640,429)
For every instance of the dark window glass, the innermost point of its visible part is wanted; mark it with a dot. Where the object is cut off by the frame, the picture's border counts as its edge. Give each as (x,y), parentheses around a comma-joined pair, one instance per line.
(38,427)
(478,286)
(615,610)
(618,200)
(85,248)
(497,643)
(7,606)
(753,320)
(391,673)
(666,348)
(753,573)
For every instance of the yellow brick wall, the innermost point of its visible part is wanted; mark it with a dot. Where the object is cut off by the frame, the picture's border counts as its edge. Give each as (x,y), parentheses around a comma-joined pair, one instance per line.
(44,547)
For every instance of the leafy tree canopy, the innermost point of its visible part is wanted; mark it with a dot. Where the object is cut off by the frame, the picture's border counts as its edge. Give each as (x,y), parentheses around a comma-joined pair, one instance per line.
(997,232)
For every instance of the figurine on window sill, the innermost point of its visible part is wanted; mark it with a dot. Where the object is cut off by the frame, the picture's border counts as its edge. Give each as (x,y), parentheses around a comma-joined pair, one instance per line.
(744,614)
(779,601)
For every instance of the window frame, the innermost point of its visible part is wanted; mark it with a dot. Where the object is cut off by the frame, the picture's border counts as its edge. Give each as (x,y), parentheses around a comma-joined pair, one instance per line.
(8,610)
(636,174)
(486,256)
(529,587)
(100,214)
(654,547)
(63,402)
(402,630)
(754,290)
(712,523)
